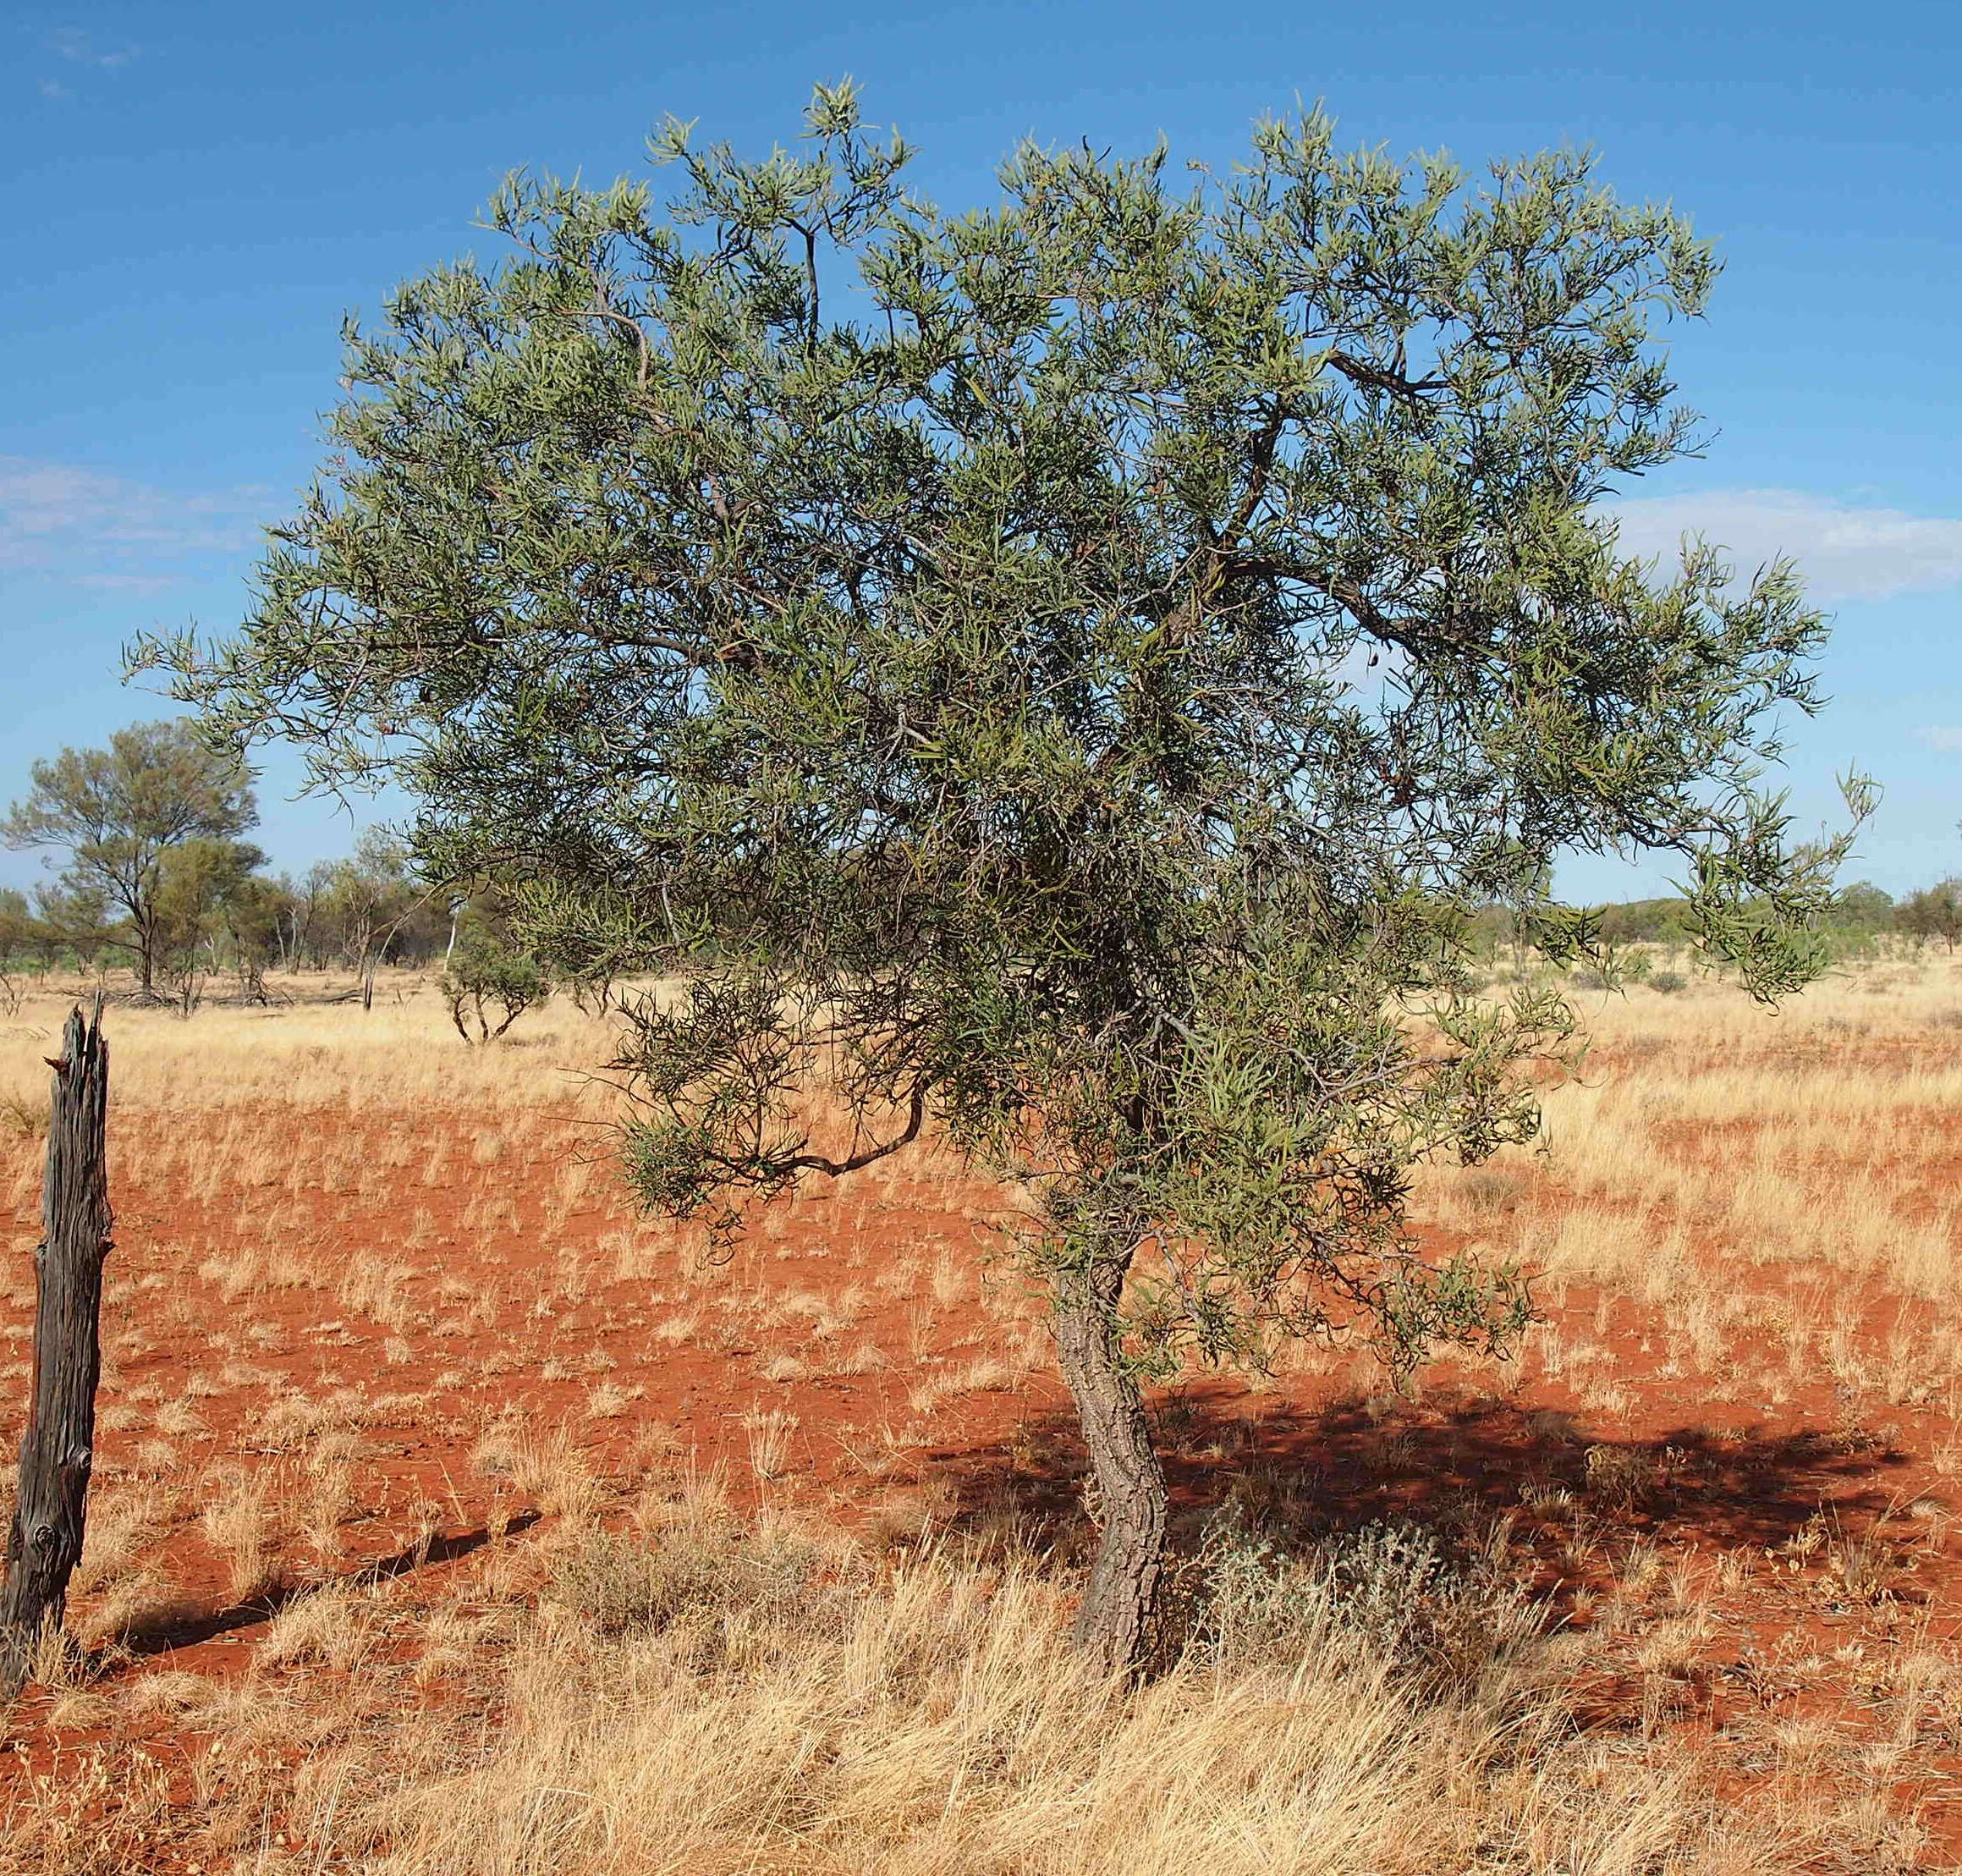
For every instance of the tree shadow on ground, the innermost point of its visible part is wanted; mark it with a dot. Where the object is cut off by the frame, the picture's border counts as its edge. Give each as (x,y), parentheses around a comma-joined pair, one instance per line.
(181,1628)
(1462,1463)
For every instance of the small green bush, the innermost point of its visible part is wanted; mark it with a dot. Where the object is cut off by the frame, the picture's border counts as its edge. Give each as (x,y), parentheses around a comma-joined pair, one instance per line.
(483,974)
(1389,1594)
(1668,982)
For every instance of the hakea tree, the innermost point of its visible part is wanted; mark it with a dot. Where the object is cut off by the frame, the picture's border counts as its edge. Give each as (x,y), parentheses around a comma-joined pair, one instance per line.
(1062,676)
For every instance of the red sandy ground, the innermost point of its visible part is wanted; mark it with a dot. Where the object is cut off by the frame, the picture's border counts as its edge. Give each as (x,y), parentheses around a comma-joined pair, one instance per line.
(1727,1473)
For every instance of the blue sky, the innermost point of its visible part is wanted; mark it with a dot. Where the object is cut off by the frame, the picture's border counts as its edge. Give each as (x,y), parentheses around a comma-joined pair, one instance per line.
(197,194)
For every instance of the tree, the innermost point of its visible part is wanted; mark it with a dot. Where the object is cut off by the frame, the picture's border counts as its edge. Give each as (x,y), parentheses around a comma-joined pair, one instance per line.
(370,902)
(1859,913)
(1934,912)
(211,892)
(1073,690)
(16,927)
(482,972)
(119,811)
(1646,921)
(252,916)
(71,914)
(1863,907)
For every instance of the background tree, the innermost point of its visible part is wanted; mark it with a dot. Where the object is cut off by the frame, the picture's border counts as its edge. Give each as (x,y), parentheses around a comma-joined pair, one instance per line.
(1647,921)
(489,985)
(71,917)
(304,939)
(370,909)
(1863,907)
(16,933)
(1072,688)
(210,895)
(252,916)
(1933,912)
(118,811)
(365,894)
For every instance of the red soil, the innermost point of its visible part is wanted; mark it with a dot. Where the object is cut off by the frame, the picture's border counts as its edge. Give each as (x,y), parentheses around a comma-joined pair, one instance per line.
(1695,1469)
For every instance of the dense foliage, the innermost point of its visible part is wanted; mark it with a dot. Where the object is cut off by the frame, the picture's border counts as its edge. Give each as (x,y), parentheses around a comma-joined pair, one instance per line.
(152,871)
(1066,673)
(125,816)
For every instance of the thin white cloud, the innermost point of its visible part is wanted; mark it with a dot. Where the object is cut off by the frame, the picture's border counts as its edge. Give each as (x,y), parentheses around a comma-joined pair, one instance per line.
(1846,553)
(1945,736)
(83,50)
(55,92)
(107,531)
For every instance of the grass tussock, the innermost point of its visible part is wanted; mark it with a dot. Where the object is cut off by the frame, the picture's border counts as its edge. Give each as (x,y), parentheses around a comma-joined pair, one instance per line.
(724,1699)
(386,1291)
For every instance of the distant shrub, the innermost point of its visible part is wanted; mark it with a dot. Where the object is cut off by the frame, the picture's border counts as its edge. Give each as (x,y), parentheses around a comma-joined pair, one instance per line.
(1668,982)
(1388,1593)
(716,1590)
(484,977)
(1588,980)
(21,1117)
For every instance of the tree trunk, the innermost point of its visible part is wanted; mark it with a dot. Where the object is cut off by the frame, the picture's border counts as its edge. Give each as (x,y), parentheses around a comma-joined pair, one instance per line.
(1114,1623)
(143,922)
(57,1451)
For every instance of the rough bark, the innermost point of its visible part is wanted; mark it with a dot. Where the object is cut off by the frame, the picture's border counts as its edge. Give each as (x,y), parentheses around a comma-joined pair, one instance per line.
(145,951)
(1114,1623)
(57,1451)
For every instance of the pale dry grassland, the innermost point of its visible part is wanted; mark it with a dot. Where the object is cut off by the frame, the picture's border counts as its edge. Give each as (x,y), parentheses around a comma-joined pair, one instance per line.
(1781,1184)
(689,1693)
(933,1719)
(319,1055)
(402,1300)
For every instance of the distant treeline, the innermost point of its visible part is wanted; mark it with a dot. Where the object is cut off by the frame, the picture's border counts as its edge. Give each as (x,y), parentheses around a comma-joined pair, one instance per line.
(160,878)
(1858,914)
(155,875)
(366,909)
(218,911)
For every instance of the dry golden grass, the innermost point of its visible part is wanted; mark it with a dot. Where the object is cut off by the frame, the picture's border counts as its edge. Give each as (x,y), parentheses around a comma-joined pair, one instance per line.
(313,1055)
(1763,1196)
(943,1725)
(1809,1145)
(710,1697)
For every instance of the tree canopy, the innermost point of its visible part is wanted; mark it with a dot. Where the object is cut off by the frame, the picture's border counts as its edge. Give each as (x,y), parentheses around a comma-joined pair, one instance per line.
(1933,912)
(120,813)
(1064,675)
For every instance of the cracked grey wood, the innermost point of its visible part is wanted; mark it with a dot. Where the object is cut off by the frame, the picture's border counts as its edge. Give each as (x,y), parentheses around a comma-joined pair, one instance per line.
(57,1449)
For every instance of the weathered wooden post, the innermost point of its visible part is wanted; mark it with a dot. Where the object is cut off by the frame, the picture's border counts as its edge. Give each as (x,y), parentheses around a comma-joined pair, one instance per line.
(57,1451)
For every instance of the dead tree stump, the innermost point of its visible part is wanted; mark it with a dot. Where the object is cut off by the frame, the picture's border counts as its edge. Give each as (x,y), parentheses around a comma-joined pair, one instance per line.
(57,1451)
